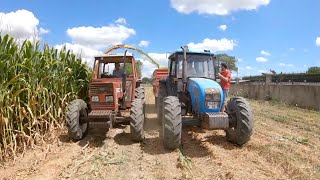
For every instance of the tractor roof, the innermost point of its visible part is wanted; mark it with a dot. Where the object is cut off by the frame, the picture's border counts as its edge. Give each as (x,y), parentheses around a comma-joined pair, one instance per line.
(191,52)
(114,58)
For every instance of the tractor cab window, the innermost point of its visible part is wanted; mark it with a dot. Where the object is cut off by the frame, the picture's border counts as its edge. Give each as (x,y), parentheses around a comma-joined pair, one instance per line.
(111,70)
(198,65)
(172,67)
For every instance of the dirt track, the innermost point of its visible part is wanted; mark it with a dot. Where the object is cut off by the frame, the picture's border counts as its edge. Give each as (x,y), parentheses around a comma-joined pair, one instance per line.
(285,145)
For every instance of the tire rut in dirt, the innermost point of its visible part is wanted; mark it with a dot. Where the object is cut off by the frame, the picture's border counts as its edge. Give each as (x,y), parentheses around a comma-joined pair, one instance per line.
(240,110)
(172,124)
(137,120)
(76,129)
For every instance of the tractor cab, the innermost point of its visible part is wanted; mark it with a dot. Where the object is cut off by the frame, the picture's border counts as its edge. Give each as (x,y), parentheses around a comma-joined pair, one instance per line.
(112,84)
(198,64)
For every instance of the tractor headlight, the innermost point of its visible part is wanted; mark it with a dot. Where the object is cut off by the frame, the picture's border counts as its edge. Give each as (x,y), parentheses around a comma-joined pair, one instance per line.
(212,94)
(212,98)
(109,98)
(95,98)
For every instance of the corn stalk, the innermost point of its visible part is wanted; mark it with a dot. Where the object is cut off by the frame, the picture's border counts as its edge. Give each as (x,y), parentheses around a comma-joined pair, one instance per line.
(36,85)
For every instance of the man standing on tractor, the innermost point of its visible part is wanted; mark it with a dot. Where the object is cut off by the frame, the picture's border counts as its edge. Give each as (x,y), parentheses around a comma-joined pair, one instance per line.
(117,72)
(225,76)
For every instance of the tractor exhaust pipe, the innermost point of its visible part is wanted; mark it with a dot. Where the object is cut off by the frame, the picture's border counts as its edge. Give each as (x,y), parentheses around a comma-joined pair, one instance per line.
(124,80)
(184,67)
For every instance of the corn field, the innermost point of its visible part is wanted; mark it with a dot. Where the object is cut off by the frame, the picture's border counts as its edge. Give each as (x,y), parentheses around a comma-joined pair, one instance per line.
(36,84)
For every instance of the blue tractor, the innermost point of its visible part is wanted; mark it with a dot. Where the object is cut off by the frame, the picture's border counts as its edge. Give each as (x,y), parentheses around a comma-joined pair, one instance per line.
(190,95)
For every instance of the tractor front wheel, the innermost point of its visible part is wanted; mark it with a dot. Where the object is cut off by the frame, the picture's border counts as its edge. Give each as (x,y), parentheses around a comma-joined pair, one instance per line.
(77,110)
(171,124)
(241,121)
(137,120)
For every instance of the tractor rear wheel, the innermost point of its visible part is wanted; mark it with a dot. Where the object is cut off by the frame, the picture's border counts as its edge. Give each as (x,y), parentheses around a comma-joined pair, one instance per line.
(241,121)
(171,125)
(162,93)
(77,109)
(137,120)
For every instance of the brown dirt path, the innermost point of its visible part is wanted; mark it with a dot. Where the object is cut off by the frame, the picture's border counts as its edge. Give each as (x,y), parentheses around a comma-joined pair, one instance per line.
(285,145)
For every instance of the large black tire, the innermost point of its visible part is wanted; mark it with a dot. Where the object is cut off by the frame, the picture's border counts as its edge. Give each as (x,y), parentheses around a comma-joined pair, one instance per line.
(156,102)
(162,93)
(77,130)
(136,120)
(241,118)
(171,125)
(139,93)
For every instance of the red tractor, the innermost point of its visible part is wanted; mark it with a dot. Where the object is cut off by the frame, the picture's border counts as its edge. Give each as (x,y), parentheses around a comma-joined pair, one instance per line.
(114,98)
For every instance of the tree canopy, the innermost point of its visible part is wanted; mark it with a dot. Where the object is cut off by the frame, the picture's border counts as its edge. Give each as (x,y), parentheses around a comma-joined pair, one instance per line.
(146,80)
(229,60)
(128,68)
(313,70)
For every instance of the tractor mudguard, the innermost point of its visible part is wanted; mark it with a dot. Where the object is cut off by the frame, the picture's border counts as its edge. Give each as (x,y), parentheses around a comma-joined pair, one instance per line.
(199,88)
(168,85)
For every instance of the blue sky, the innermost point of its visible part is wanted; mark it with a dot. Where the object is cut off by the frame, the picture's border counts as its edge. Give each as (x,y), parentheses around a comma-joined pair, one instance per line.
(283,35)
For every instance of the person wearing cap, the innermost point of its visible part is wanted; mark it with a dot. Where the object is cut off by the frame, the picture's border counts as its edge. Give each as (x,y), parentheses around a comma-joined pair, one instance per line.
(117,72)
(225,76)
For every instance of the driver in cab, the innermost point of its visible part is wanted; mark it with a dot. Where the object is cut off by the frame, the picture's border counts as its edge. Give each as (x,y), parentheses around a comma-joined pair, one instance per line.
(117,72)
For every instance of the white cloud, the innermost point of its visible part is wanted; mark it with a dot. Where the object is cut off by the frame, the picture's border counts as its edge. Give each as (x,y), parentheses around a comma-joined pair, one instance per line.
(291,49)
(318,41)
(265,53)
(86,54)
(21,24)
(216,7)
(148,67)
(213,45)
(121,21)
(286,65)
(100,37)
(240,60)
(261,59)
(44,31)
(249,67)
(223,27)
(262,71)
(144,43)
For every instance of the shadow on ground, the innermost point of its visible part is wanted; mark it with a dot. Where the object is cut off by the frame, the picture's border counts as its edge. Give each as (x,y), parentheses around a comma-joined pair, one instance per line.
(154,146)
(194,146)
(95,137)
(123,139)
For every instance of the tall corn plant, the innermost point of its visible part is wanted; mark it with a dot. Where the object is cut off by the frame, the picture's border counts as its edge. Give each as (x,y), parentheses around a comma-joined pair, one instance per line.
(35,88)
